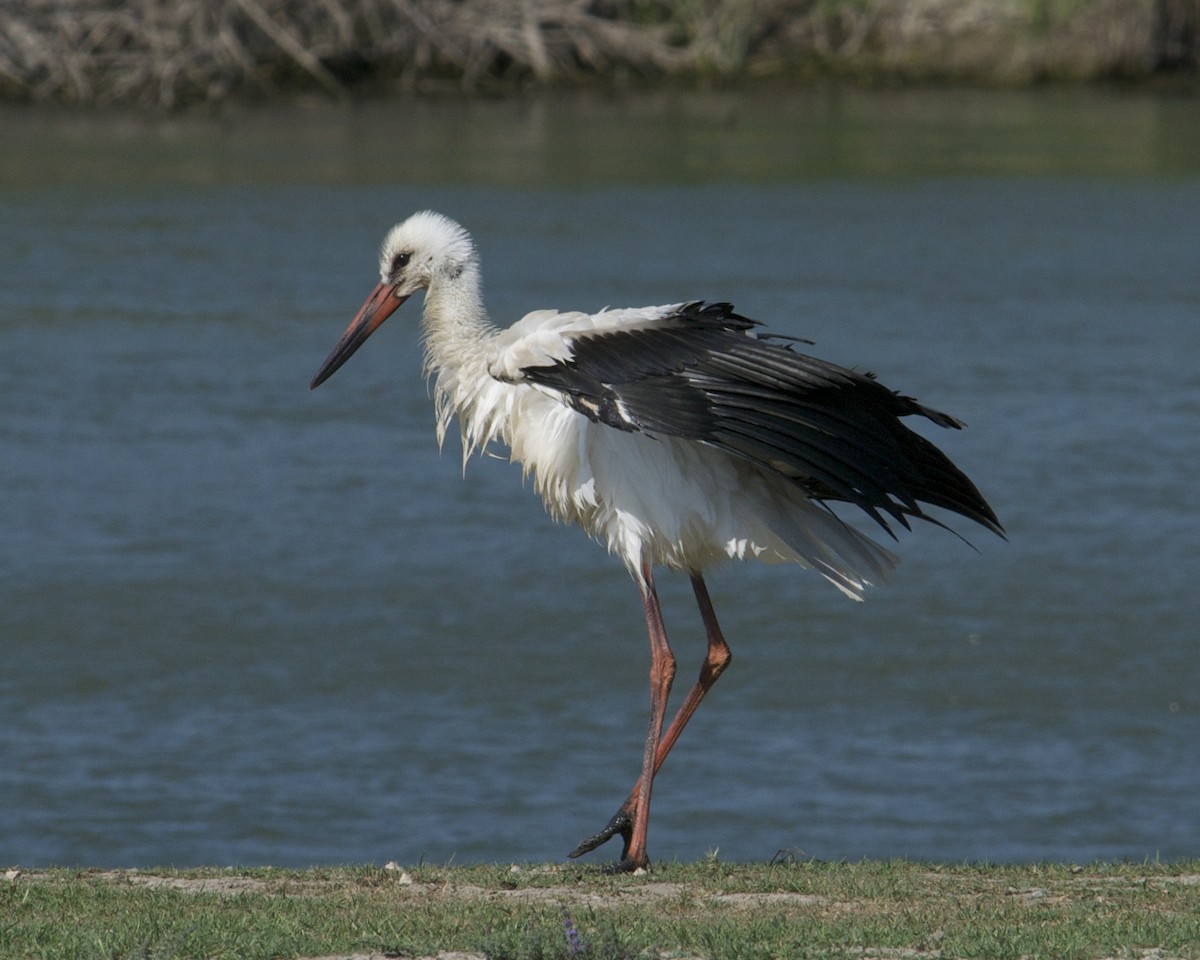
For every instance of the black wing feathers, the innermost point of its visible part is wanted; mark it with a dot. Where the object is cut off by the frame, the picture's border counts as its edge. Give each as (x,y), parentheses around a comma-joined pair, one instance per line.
(700,374)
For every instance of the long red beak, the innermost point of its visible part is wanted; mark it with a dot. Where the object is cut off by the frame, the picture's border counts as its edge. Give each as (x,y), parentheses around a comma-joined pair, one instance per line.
(379,306)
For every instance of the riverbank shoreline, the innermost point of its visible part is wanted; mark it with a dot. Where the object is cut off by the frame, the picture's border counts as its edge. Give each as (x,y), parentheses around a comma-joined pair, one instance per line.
(711,909)
(163,55)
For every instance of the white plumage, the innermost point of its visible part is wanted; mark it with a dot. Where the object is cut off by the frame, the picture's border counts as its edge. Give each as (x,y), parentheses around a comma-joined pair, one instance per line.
(679,436)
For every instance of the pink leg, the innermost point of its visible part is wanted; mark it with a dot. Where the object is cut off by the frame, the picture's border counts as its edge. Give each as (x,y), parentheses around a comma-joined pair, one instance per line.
(662,674)
(716,660)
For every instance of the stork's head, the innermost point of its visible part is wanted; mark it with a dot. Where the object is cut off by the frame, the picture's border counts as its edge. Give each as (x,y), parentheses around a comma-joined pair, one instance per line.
(415,254)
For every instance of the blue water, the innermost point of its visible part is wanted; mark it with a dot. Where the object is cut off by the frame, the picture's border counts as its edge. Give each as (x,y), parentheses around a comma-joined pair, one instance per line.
(245,624)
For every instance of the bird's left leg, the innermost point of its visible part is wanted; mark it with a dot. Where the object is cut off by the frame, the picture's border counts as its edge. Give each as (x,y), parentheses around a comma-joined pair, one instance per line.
(662,674)
(716,660)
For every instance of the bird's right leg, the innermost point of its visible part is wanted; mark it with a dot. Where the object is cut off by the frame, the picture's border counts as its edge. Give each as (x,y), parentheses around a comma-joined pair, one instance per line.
(716,660)
(634,816)
(662,675)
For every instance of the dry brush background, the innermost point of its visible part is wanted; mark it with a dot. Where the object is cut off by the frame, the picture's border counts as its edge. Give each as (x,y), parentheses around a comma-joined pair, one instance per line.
(170,53)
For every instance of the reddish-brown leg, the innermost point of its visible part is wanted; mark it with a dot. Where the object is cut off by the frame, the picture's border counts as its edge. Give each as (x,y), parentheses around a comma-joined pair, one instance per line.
(716,660)
(662,674)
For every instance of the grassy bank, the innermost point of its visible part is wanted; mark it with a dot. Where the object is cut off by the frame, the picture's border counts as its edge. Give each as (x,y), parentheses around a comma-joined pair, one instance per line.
(167,53)
(711,910)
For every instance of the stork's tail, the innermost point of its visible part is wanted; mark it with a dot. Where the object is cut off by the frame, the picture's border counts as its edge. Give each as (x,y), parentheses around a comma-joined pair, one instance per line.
(820,539)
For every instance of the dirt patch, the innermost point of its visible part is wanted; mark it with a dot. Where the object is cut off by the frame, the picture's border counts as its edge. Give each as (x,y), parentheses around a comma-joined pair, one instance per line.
(452,955)
(751,900)
(640,893)
(230,886)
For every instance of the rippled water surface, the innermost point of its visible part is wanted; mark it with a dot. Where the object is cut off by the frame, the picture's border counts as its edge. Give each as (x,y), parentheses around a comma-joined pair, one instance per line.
(245,624)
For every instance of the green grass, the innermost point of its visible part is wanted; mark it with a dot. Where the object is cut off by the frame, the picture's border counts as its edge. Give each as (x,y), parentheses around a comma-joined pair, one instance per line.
(709,909)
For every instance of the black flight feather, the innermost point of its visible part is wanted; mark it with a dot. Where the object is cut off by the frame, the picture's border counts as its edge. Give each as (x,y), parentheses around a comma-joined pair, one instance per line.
(702,374)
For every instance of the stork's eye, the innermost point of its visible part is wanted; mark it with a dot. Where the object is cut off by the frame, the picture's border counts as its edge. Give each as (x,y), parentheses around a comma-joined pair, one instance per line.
(399,262)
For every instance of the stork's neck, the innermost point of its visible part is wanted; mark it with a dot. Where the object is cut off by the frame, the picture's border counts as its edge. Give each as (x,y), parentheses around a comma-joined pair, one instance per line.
(456,324)
(458,337)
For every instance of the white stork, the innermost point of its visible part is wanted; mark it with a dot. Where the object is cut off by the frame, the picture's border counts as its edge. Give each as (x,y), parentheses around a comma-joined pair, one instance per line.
(679,436)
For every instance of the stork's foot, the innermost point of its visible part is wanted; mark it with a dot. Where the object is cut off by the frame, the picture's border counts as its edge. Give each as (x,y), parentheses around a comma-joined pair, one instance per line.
(621,823)
(626,865)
